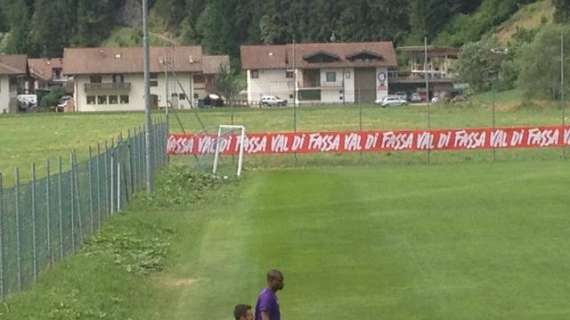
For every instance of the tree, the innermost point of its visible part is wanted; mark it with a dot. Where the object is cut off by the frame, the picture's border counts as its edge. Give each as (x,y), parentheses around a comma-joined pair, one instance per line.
(3,23)
(94,21)
(540,64)
(485,66)
(227,83)
(50,31)
(19,19)
(562,13)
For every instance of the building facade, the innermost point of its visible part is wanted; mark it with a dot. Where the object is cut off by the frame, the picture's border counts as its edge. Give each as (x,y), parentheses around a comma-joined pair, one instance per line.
(46,73)
(332,73)
(13,71)
(439,69)
(112,79)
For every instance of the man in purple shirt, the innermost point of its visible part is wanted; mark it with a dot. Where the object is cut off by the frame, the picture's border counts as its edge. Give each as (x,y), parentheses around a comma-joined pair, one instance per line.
(267,307)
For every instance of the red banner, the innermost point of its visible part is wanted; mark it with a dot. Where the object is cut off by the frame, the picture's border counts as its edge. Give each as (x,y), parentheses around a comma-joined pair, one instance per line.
(373,141)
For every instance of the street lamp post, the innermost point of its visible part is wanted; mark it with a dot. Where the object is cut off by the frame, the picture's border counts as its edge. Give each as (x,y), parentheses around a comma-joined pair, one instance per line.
(497,52)
(148,120)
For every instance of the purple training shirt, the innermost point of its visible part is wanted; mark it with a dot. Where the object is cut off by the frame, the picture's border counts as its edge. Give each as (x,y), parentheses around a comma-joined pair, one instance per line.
(267,302)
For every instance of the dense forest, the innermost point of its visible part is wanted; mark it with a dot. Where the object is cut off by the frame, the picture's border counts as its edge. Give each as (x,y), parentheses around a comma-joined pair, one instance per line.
(45,27)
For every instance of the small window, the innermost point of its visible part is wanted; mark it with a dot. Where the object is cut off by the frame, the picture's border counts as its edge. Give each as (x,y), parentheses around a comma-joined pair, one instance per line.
(91,99)
(101,99)
(118,78)
(113,100)
(124,99)
(154,79)
(254,74)
(331,76)
(96,79)
(199,78)
(182,96)
(290,74)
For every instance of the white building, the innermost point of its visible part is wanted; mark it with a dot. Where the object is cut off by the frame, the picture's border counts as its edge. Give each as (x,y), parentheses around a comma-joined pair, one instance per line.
(112,79)
(13,71)
(319,72)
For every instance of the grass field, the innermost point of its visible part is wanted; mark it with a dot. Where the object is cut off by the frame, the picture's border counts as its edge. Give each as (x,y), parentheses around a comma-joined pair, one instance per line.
(471,241)
(37,137)
(358,237)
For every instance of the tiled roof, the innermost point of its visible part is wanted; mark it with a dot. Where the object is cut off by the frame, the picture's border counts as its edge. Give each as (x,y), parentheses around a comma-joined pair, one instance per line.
(295,56)
(13,64)
(43,68)
(212,64)
(130,60)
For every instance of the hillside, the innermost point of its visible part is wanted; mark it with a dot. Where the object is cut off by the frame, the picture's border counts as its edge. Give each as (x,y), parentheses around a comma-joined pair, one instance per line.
(43,28)
(529,17)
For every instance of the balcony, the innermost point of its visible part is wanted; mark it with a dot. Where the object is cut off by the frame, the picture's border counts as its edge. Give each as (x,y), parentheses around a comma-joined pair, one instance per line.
(417,75)
(309,85)
(113,86)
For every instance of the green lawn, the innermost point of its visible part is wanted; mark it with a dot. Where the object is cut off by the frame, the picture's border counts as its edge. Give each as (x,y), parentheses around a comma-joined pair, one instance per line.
(470,241)
(449,242)
(37,137)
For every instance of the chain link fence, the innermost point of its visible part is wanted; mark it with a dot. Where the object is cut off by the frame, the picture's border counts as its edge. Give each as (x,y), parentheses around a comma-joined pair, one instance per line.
(50,217)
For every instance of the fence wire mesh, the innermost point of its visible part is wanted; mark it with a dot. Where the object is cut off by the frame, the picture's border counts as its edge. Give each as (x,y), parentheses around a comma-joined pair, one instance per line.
(50,217)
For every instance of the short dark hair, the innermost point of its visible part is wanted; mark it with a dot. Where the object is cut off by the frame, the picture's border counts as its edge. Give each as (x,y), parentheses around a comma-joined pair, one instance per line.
(241,310)
(272,274)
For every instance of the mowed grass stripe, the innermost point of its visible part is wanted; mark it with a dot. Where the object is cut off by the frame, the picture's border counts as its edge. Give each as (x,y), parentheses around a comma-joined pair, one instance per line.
(447,242)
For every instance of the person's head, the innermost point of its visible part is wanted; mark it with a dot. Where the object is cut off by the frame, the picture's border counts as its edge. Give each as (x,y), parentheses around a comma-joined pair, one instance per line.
(275,280)
(243,312)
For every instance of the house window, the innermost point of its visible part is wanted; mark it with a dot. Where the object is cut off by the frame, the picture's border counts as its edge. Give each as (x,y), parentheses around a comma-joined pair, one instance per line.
(182,96)
(154,79)
(56,73)
(199,78)
(124,99)
(289,74)
(101,99)
(91,99)
(118,78)
(254,74)
(113,100)
(331,76)
(95,79)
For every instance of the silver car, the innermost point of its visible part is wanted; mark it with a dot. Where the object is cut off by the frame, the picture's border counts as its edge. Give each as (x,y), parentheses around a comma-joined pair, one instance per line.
(392,101)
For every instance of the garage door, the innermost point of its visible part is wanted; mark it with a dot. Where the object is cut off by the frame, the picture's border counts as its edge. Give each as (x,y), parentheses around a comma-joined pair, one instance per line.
(365,85)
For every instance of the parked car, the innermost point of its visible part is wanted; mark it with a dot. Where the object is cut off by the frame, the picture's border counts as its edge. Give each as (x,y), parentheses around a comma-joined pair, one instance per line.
(63,102)
(272,101)
(402,95)
(415,97)
(27,102)
(213,100)
(392,101)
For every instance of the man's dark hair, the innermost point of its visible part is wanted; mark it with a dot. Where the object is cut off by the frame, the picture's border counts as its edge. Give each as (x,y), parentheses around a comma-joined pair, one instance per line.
(241,310)
(272,274)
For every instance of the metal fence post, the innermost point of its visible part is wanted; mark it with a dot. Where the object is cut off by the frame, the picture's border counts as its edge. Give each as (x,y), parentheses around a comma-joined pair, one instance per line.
(18,233)
(118,186)
(131,171)
(34,225)
(48,211)
(107,176)
(89,168)
(77,189)
(2,290)
(99,185)
(112,183)
(72,201)
(60,207)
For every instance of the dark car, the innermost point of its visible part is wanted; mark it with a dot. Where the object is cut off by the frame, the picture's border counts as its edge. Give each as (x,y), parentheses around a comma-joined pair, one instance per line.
(213,100)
